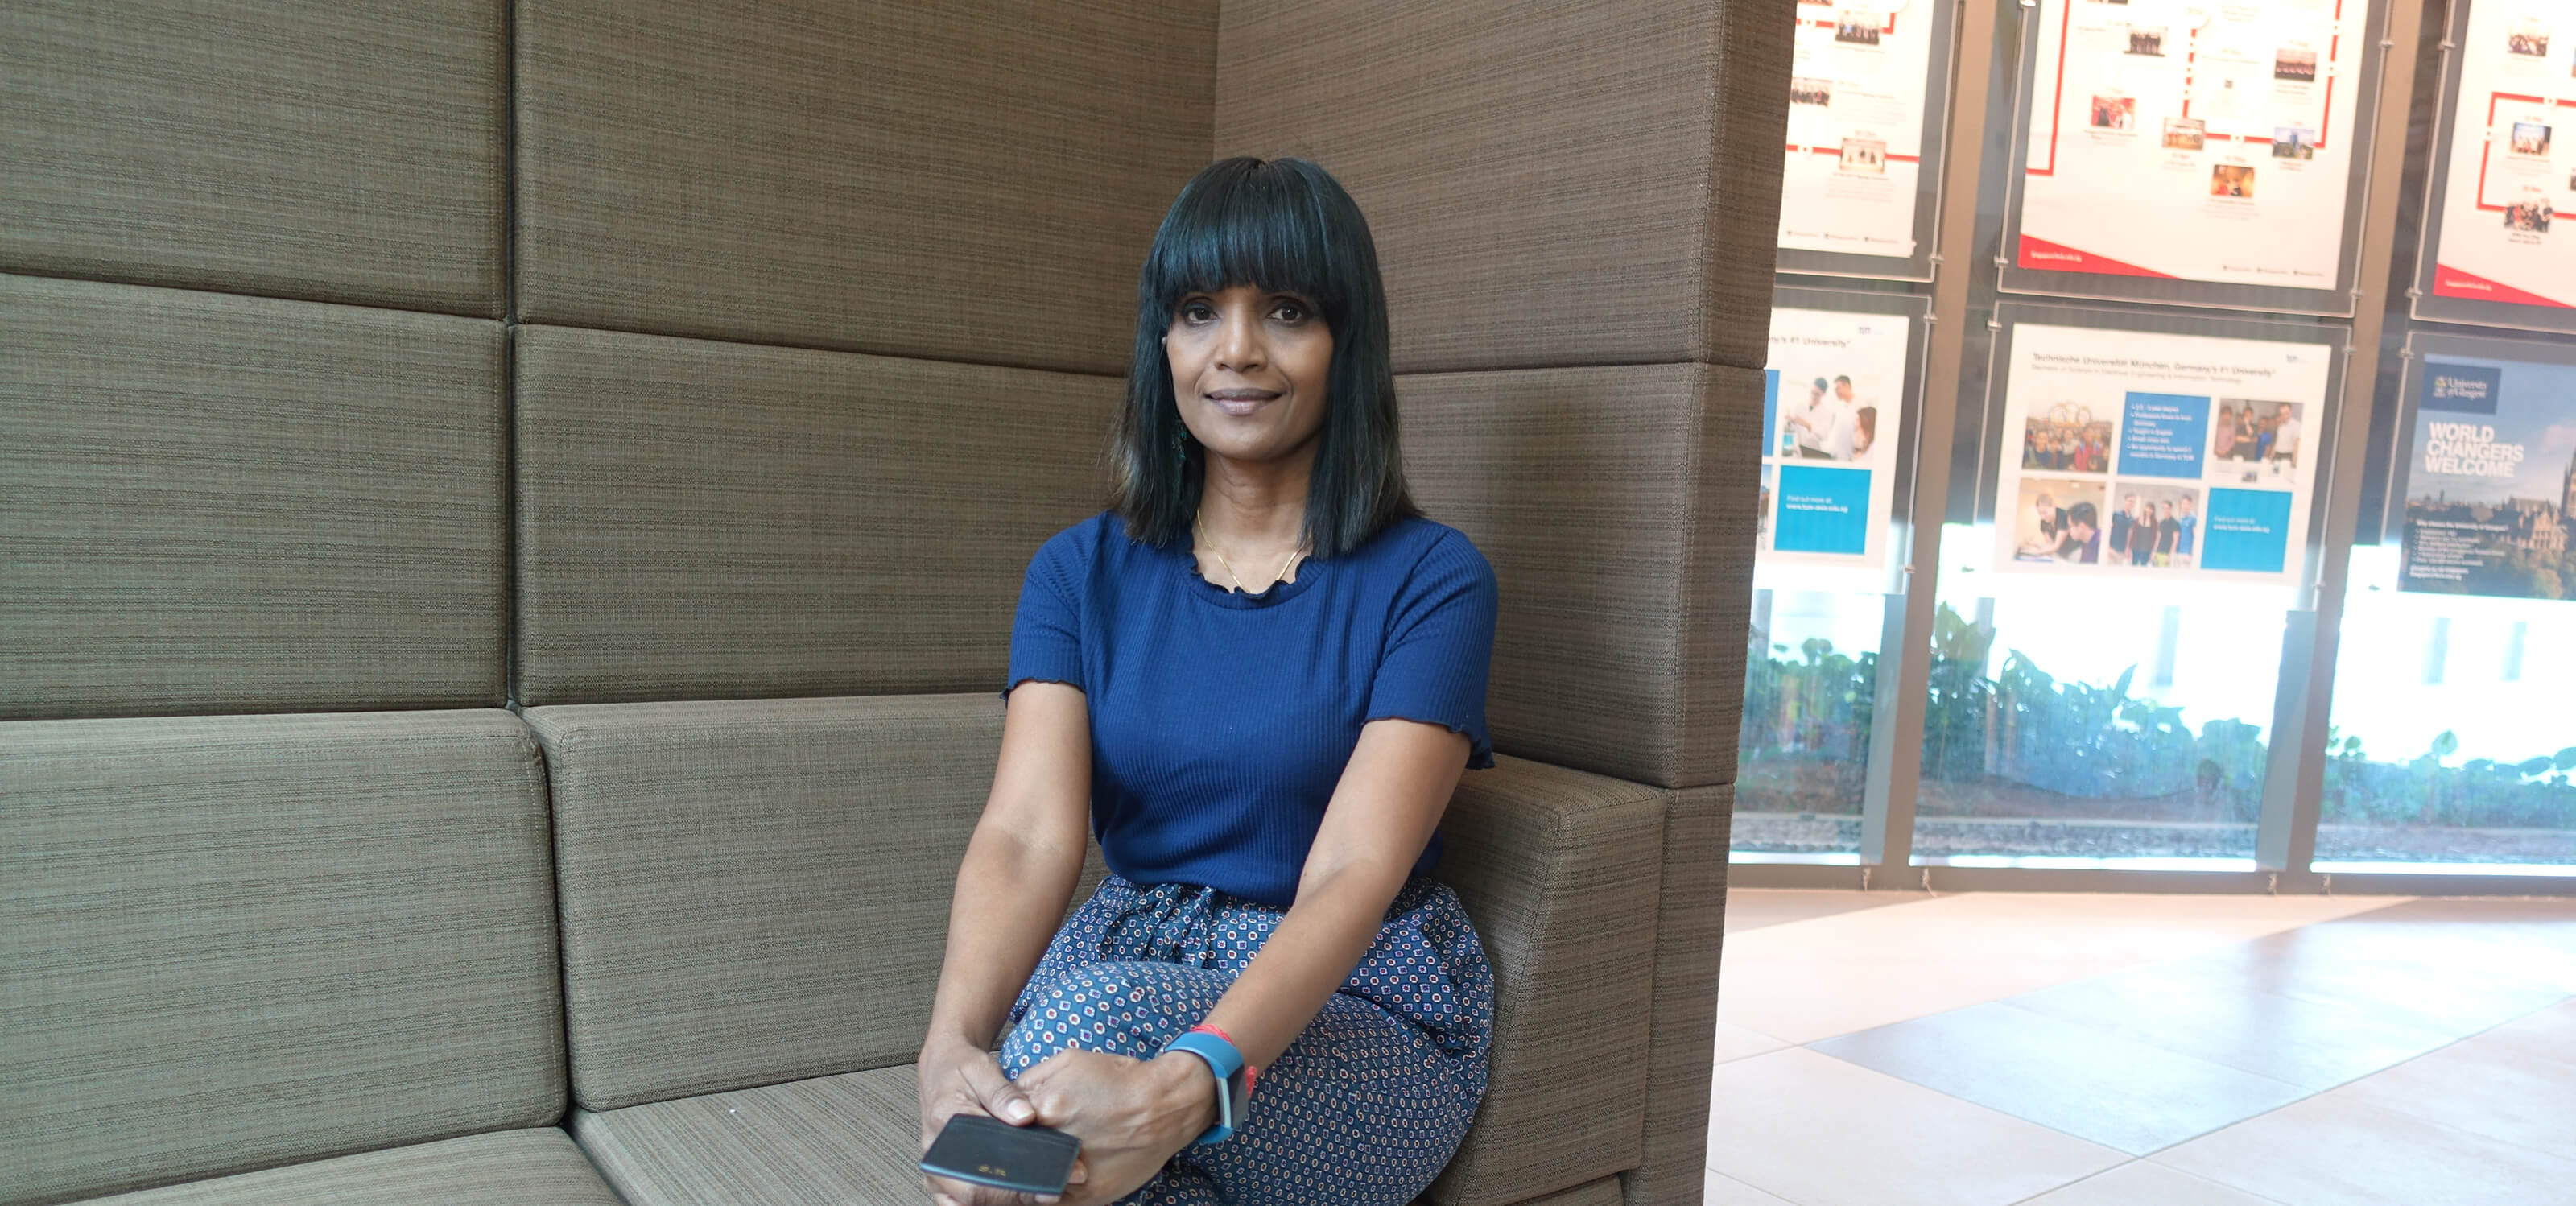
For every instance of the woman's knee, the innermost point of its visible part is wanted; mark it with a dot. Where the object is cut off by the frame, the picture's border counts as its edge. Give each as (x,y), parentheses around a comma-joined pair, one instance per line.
(1119,1008)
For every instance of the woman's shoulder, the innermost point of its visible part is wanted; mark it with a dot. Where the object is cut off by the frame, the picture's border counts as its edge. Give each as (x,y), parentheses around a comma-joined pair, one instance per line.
(1085,542)
(1079,553)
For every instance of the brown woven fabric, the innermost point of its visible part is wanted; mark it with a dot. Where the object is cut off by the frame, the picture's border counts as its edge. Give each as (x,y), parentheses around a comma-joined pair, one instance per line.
(706,520)
(1558,868)
(1604,1192)
(829,1141)
(959,181)
(1549,183)
(797,928)
(235,504)
(235,942)
(1691,927)
(1617,505)
(534,1167)
(347,150)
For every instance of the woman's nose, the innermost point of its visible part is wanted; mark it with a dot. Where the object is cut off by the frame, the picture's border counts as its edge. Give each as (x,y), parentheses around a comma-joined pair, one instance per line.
(1239,346)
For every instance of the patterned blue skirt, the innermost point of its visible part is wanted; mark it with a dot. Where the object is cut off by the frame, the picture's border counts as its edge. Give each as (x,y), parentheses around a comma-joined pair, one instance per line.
(1365,1107)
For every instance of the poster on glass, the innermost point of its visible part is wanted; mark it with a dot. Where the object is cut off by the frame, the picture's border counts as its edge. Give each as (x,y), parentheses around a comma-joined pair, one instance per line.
(1833,402)
(1868,85)
(2494,251)
(2154,454)
(2205,154)
(2488,478)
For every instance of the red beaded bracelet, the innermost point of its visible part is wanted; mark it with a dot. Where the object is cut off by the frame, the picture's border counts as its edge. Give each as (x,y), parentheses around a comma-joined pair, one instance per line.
(1250,1073)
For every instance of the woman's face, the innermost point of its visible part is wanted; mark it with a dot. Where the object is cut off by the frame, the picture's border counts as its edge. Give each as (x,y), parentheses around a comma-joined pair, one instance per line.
(1251,370)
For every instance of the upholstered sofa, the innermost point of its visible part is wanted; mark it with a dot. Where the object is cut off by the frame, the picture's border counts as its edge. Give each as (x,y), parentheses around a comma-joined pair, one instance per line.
(510,512)
(385,957)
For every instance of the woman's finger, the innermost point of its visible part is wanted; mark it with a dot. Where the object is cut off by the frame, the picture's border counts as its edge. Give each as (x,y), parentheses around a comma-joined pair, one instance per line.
(1001,1098)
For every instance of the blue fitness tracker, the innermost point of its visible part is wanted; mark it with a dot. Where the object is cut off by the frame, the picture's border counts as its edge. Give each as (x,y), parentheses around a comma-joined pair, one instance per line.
(1233,1092)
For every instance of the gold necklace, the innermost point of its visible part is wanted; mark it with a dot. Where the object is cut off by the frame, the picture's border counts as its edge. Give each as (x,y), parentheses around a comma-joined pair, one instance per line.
(1198,531)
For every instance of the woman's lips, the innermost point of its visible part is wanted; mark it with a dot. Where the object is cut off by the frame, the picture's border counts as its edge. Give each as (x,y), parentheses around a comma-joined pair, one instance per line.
(1240,403)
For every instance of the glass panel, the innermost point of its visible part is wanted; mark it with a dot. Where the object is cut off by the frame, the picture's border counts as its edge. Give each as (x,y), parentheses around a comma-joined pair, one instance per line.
(2108,649)
(1810,683)
(2080,720)
(1836,400)
(2454,738)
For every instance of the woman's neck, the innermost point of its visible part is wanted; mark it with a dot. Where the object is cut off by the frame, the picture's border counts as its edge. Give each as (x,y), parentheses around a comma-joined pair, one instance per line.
(1255,508)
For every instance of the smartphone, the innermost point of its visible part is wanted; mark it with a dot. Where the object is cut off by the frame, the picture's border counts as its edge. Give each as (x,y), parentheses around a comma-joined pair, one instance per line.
(988,1151)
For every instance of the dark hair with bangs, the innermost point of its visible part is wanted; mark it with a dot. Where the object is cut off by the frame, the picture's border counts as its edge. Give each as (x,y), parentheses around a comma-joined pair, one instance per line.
(1283,225)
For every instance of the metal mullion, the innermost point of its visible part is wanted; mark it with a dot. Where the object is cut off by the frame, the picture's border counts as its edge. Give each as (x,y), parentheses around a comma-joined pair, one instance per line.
(2293,796)
(1896,737)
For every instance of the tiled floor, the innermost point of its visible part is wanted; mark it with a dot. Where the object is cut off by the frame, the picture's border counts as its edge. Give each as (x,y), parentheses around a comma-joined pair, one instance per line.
(1989,1049)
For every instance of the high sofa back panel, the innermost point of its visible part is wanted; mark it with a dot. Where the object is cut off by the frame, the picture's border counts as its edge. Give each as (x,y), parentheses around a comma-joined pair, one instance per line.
(973,180)
(237,942)
(237,504)
(757,891)
(1615,504)
(338,150)
(702,520)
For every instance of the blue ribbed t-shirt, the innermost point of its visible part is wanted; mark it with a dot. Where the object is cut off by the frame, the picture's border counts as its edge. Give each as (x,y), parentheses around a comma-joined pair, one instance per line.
(1221,721)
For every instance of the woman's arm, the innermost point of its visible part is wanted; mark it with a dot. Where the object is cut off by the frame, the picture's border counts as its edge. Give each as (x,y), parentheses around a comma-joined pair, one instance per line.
(1383,811)
(1012,887)
(1021,865)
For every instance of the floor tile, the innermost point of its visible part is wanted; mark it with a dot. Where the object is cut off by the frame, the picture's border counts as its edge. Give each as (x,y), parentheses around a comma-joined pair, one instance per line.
(2333,1150)
(2147,1184)
(1852,971)
(1736,1042)
(2453,982)
(1821,1132)
(1802,1003)
(1756,908)
(1724,1190)
(2081,1080)
(2485,1086)
(2549,1033)
(2217,1014)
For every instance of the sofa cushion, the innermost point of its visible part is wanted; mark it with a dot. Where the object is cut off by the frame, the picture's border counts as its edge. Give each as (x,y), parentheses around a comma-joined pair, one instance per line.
(538,1166)
(343,151)
(704,520)
(972,181)
(236,942)
(800,930)
(239,504)
(1559,870)
(827,1141)
(757,891)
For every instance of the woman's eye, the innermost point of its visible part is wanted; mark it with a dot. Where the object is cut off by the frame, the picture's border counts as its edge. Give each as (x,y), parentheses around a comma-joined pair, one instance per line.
(1289,312)
(1197,312)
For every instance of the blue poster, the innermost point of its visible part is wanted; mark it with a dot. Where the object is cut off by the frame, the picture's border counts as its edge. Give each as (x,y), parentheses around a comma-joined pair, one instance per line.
(1823,510)
(2163,435)
(2490,482)
(2248,530)
(1770,411)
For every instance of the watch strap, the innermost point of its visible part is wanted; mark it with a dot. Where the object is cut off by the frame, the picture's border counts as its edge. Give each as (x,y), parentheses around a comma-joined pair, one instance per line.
(1233,1090)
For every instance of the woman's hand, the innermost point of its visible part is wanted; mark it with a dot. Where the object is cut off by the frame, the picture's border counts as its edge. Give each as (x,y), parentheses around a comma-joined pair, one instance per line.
(1130,1114)
(958,1077)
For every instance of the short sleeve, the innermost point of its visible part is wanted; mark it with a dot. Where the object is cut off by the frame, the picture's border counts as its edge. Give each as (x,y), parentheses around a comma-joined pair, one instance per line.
(1046,634)
(1440,646)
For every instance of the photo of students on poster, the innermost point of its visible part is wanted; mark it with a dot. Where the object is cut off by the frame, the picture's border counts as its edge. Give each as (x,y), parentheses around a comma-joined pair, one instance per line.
(2146,454)
(1833,397)
(2489,482)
